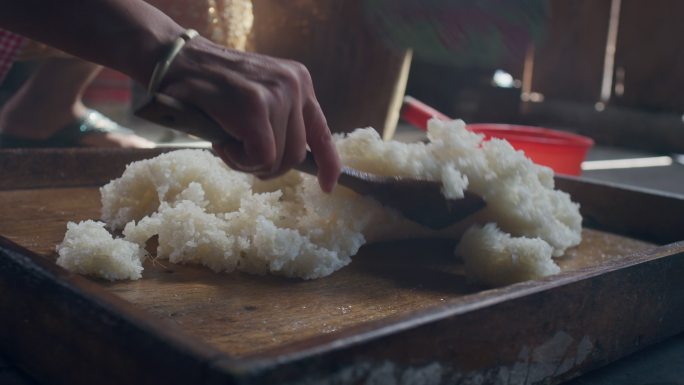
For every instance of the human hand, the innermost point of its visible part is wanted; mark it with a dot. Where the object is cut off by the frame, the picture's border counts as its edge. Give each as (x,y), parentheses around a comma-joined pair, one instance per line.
(267,104)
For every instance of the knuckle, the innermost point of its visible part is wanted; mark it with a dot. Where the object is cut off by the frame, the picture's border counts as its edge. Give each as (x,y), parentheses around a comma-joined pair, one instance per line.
(298,67)
(289,78)
(261,103)
(294,157)
(323,139)
(302,71)
(269,159)
(313,109)
(297,74)
(257,96)
(316,124)
(326,139)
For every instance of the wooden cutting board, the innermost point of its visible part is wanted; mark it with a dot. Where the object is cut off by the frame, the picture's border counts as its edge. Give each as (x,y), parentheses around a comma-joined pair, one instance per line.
(400,311)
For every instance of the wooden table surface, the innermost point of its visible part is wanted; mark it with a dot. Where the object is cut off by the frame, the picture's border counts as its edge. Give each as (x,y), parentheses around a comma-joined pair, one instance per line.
(243,314)
(403,303)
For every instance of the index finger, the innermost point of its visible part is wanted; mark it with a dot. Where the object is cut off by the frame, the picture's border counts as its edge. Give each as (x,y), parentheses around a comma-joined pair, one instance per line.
(319,139)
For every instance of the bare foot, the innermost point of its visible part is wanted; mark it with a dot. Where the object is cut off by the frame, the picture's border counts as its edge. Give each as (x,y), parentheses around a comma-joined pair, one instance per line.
(51,100)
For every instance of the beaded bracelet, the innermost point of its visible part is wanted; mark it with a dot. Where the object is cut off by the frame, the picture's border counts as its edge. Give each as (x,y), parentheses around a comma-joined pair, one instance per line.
(163,65)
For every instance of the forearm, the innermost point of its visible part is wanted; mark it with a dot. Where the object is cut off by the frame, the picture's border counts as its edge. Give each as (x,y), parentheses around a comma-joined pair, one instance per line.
(267,104)
(127,35)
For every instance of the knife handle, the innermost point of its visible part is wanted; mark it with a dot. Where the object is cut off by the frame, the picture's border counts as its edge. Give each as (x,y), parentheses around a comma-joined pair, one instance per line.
(171,112)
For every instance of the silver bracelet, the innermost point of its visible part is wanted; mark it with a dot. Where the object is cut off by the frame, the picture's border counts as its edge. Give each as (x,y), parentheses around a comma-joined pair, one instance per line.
(163,65)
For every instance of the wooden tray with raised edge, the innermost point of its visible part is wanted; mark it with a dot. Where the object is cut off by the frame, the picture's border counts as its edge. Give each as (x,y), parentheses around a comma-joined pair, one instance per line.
(399,313)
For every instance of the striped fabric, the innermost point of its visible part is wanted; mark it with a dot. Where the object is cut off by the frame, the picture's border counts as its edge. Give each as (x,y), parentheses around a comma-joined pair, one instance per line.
(10,43)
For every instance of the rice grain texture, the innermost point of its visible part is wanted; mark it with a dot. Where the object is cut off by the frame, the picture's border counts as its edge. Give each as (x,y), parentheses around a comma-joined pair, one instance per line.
(204,213)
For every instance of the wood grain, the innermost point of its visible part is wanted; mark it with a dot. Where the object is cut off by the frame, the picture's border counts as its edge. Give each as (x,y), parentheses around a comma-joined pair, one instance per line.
(400,311)
(49,167)
(242,314)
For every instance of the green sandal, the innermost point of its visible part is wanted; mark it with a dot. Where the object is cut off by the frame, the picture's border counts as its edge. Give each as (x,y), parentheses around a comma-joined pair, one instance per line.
(92,122)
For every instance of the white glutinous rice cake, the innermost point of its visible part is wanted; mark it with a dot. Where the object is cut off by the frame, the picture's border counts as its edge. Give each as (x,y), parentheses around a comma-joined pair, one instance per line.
(88,248)
(205,213)
(497,258)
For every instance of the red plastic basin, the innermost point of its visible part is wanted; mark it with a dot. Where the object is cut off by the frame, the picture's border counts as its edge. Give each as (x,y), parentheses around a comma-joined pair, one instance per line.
(562,151)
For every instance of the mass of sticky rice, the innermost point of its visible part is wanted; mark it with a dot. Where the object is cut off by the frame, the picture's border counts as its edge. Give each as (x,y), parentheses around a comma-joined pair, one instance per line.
(88,248)
(205,213)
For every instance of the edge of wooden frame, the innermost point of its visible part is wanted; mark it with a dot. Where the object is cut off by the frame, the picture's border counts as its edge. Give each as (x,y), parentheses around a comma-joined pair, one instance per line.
(592,340)
(117,343)
(79,325)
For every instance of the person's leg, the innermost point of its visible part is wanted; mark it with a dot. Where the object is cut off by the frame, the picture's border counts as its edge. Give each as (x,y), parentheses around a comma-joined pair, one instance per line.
(51,99)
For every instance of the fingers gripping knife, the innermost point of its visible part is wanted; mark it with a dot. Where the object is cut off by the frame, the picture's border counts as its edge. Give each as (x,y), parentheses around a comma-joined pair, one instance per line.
(418,200)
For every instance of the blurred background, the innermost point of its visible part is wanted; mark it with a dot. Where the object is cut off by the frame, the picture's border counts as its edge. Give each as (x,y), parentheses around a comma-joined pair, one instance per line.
(611,70)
